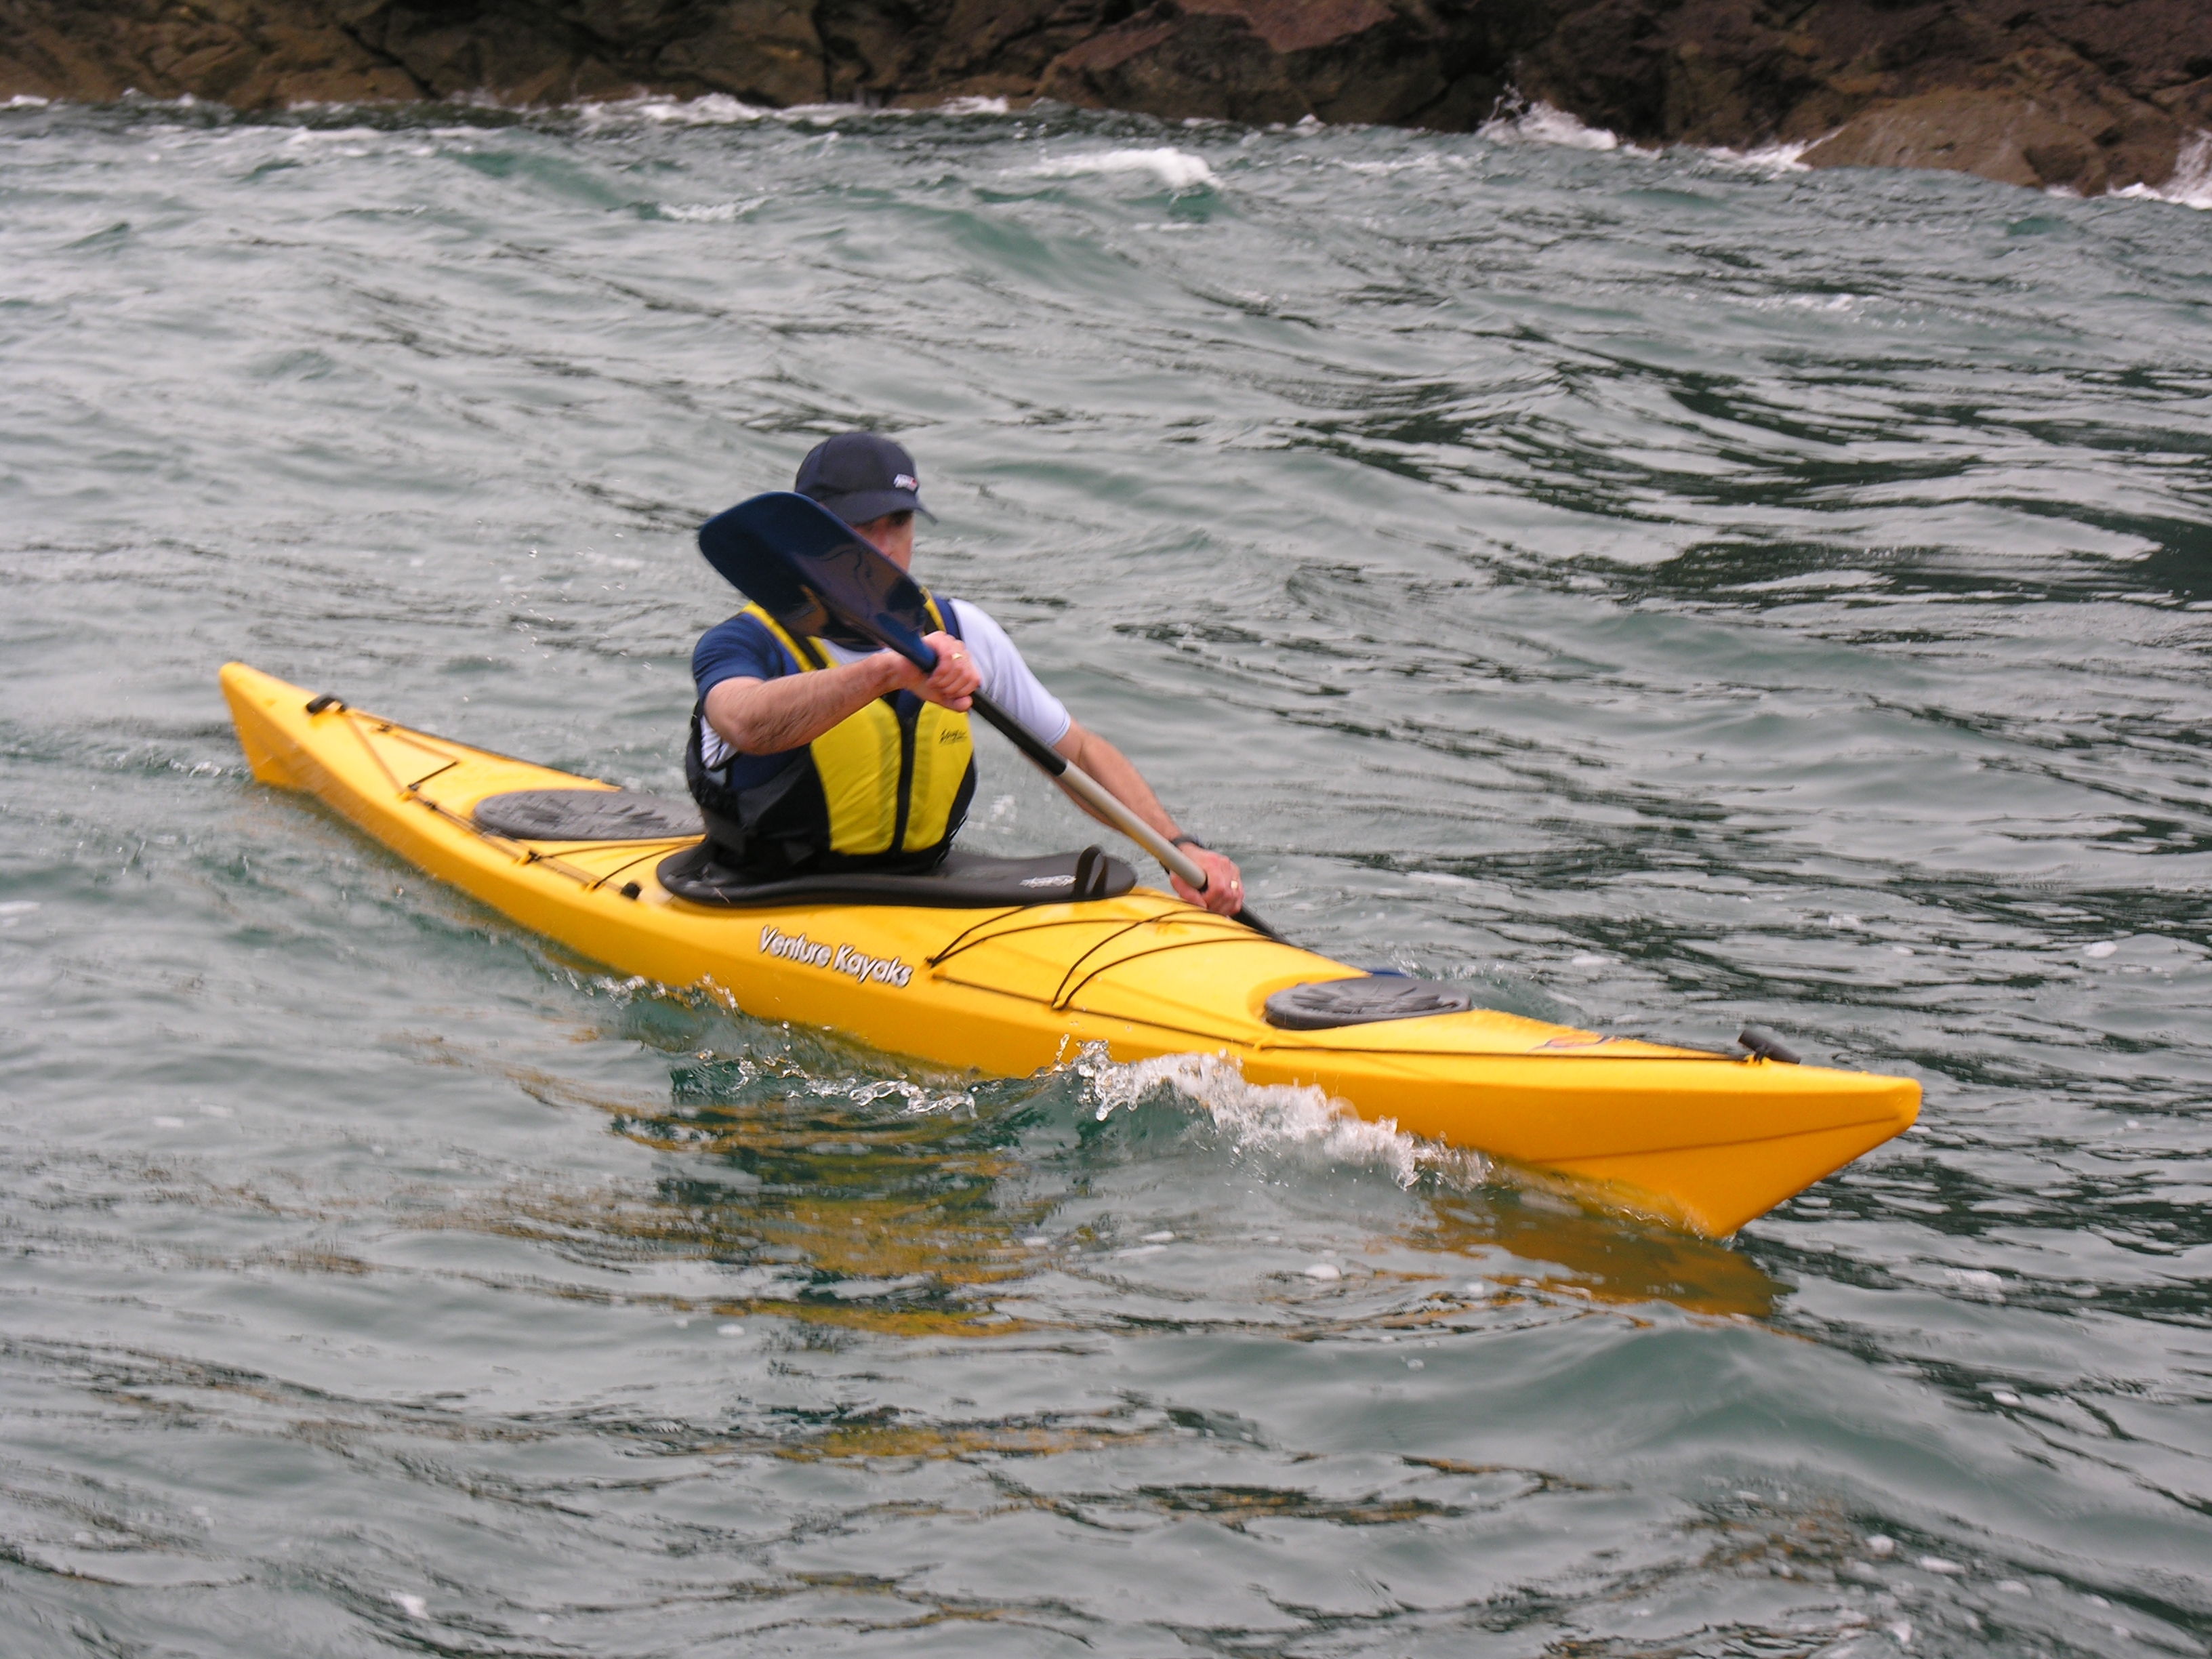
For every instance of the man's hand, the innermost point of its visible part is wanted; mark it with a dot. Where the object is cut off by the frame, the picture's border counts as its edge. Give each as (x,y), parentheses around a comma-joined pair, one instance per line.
(1224,888)
(953,683)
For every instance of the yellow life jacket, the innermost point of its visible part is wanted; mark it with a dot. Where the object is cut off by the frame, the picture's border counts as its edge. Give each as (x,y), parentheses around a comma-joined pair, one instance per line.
(893,784)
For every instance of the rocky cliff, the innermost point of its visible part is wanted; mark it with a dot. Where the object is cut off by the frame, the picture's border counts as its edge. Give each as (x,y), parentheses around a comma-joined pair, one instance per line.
(2094,94)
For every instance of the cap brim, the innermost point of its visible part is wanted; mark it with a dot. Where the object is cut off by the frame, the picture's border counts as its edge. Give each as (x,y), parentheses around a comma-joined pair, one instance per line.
(866,504)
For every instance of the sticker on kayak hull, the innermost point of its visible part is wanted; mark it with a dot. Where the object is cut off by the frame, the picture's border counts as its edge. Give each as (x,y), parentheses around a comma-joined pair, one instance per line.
(857,966)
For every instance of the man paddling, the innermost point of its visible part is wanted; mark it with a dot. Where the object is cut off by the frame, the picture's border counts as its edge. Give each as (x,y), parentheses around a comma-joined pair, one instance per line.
(819,754)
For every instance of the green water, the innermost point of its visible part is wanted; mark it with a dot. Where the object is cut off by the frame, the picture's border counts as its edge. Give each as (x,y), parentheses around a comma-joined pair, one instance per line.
(1655,592)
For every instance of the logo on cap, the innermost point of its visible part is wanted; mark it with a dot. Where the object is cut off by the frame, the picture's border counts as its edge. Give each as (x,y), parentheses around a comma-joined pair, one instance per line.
(905,480)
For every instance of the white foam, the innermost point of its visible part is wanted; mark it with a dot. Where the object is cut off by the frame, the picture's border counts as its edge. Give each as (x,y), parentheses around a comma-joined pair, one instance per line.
(1177,169)
(2192,183)
(1272,1117)
(1771,158)
(720,109)
(308,138)
(921,1100)
(714,109)
(830,114)
(717,213)
(1815,579)
(1539,124)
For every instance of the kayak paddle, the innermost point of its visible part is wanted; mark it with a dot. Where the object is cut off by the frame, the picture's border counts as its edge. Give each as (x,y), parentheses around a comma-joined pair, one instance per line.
(803,565)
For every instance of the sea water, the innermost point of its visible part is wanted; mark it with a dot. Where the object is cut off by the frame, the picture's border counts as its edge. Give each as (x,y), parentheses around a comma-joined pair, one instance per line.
(1652,592)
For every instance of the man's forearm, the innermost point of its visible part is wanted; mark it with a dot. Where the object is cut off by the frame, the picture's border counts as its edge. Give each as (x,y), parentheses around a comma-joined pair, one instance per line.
(1121,780)
(1220,888)
(766,717)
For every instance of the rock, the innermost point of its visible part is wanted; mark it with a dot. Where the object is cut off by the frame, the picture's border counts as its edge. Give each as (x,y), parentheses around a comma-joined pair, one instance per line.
(538,51)
(2024,137)
(761,51)
(233,52)
(1260,61)
(2090,95)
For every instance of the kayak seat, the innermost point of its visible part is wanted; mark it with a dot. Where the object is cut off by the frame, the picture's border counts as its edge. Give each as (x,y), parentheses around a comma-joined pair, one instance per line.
(1334,1002)
(964,881)
(585,814)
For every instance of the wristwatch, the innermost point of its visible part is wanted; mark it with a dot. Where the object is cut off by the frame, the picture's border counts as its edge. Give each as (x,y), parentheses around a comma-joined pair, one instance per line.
(1188,840)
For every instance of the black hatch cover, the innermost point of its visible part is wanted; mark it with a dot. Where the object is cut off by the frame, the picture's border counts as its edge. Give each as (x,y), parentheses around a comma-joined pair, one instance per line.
(1362,1002)
(586,815)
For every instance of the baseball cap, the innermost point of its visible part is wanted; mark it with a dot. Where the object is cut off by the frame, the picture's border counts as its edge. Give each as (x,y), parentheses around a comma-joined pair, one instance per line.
(860,476)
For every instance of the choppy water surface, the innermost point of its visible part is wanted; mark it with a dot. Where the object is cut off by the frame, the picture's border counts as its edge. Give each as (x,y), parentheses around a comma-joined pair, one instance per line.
(1658,592)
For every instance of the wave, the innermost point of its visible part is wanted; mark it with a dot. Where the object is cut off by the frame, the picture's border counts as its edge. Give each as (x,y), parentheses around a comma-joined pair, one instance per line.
(712,212)
(1274,1118)
(1771,158)
(713,109)
(1538,123)
(1177,169)
(2191,184)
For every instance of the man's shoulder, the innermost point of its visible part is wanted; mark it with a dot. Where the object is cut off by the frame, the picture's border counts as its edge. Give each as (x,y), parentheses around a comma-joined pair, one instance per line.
(743,626)
(965,614)
(738,647)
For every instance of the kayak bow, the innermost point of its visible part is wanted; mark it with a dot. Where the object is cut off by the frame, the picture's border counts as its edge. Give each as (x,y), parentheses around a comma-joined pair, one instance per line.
(1703,1140)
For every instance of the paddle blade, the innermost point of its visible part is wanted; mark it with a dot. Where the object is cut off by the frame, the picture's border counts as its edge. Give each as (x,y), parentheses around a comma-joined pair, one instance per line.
(803,565)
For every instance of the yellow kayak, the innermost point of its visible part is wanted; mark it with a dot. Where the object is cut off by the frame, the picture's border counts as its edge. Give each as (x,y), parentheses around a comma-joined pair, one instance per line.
(1010,977)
